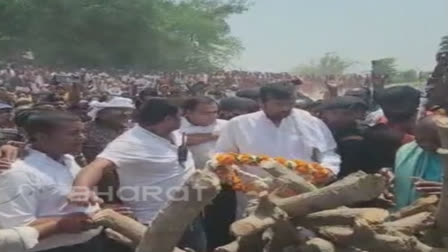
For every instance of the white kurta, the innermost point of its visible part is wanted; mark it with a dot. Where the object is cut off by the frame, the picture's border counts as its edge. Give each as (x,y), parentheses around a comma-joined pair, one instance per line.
(299,136)
(202,152)
(149,170)
(38,187)
(18,239)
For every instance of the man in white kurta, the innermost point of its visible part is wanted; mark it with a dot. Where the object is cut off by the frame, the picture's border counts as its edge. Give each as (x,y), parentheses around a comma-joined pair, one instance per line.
(202,127)
(202,152)
(299,136)
(279,130)
(36,187)
(148,168)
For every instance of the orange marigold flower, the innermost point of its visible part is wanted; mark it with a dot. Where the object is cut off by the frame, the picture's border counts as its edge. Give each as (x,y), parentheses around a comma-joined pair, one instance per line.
(300,162)
(280,160)
(304,169)
(261,158)
(322,173)
(226,159)
(245,159)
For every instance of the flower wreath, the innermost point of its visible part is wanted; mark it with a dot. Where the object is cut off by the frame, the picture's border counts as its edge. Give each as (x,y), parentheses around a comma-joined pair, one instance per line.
(310,171)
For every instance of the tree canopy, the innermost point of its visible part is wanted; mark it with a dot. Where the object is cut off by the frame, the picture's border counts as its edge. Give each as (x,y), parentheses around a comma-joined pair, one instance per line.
(444,44)
(386,67)
(329,64)
(144,34)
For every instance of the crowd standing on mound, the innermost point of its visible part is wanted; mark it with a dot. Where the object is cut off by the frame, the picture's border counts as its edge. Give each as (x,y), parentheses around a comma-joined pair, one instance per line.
(105,132)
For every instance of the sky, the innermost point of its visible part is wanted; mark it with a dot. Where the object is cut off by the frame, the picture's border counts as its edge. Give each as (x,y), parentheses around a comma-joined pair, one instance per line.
(280,34)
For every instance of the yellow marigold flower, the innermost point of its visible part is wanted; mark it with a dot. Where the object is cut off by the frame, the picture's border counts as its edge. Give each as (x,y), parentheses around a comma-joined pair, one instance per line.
(290,164)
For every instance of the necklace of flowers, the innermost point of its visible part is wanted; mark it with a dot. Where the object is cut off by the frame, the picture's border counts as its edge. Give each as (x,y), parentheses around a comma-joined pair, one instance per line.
(310,171)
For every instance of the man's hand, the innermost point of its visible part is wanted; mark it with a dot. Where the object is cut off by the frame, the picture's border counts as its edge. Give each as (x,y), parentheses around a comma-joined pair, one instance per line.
(389,176)
(9,152)
(428,187)
(119,208)
(4,165)
(387,198)
(83,196)
(75,223)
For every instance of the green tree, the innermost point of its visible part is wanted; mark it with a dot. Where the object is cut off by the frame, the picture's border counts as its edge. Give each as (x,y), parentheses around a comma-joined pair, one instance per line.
(329,64)
(407,76)
(444,44)
(156,34)
(384,67)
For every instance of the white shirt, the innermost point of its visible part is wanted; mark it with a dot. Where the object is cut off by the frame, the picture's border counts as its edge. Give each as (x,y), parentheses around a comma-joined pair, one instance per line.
(299,136)
(18,239)
(37,187)
(202,152)
(148,169)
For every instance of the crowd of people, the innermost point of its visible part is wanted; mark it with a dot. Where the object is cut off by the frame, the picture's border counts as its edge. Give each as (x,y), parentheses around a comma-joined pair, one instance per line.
(127,140)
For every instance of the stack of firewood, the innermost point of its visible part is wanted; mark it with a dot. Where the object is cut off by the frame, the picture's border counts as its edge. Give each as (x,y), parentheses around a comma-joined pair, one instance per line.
(321,220)
(328,219)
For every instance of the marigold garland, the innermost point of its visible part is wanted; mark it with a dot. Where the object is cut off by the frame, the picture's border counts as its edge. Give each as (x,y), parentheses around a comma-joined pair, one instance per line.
(312,172)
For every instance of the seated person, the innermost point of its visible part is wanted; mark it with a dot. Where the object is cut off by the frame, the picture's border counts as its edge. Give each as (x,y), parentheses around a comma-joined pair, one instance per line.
(418,167)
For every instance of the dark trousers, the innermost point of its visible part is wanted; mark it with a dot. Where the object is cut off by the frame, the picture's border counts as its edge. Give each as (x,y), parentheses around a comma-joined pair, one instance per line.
(100,243)
(194,237)
(96,244)
(218,218)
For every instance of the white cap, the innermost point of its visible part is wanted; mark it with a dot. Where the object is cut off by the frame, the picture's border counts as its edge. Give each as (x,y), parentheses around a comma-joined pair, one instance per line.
(116,102)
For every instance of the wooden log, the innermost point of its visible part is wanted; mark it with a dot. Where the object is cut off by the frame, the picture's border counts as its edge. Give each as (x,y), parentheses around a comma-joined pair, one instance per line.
(337,234)
(169,225)
(290,179)
(343,216)
(410,225)
(123,240)
(317,245)
(265,215)
(121,224)
(363,236)
(355,188)
(426,204)
(280,236)
(250,243)
(122,229)
(442,212)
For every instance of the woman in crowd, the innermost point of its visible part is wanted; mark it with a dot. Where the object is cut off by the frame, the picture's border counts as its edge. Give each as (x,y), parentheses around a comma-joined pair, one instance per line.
(418,167)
